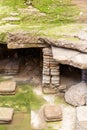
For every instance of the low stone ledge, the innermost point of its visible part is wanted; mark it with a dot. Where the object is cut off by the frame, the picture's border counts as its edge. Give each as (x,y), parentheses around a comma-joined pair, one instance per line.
(7,87)
(6,115)
(52,113)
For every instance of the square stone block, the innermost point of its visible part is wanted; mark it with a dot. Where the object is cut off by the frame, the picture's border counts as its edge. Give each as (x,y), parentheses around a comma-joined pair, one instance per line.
(7,87)
(52,113)
(6,114)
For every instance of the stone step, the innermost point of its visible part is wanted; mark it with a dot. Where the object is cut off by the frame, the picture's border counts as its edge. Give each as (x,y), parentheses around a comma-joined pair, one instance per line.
(7,87)
(6,115)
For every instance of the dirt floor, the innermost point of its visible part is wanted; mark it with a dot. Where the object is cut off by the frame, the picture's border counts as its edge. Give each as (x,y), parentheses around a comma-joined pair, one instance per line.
(21,121)
(80,3)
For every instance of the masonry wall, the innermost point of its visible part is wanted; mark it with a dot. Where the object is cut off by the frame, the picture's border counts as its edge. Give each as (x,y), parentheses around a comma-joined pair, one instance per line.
(51,72)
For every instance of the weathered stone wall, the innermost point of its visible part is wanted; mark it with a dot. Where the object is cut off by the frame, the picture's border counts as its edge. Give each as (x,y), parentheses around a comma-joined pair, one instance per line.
(50,80)
(84,75)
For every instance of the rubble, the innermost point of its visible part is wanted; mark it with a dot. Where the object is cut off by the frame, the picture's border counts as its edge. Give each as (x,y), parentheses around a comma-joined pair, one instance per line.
(76,94)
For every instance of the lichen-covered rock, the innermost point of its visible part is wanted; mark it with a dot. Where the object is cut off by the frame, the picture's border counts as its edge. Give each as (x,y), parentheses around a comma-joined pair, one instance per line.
(52,113)
(76,94)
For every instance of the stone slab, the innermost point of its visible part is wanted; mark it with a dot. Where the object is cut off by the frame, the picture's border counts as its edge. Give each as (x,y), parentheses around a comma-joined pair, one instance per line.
(7,87)
(6,114)
(79,61)
(52,113)
(80,45)
(23,40)
(70,57)
(81,123)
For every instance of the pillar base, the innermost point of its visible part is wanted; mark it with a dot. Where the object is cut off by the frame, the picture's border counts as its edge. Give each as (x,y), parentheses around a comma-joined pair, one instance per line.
(49,90)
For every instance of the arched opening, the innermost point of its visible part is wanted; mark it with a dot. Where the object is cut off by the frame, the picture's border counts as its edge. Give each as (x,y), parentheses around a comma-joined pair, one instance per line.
(25,64)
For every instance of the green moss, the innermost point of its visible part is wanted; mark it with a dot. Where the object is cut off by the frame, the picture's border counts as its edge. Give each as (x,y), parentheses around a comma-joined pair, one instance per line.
(20,101)
(3,127)
(58,20)
(3,37)
(21,121)
(13,3)
(36,101)
(60,100)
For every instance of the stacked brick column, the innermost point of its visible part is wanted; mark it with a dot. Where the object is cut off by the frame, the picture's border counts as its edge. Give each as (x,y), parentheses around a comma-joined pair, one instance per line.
(51,72)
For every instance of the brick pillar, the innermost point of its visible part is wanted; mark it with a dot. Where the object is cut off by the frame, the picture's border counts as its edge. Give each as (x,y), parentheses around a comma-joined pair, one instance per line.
(50,80)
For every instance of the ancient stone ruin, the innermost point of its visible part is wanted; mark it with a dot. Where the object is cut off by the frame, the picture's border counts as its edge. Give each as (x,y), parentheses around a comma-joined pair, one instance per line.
(57,66)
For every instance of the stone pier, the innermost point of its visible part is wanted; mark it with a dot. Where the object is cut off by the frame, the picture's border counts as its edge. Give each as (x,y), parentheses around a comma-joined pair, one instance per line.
(50,80)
